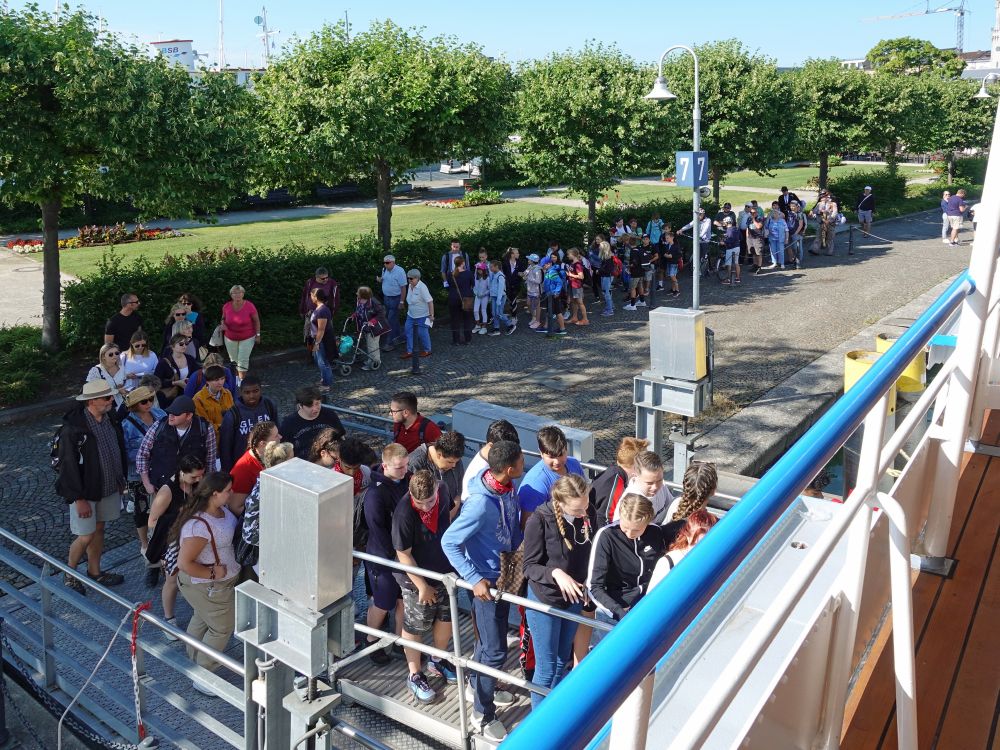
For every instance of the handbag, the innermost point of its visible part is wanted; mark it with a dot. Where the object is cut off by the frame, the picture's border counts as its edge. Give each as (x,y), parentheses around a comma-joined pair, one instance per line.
(467,304)
(217,339)
(512,579)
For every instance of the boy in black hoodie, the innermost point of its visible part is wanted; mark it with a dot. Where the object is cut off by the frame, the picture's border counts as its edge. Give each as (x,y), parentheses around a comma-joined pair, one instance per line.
(250,407)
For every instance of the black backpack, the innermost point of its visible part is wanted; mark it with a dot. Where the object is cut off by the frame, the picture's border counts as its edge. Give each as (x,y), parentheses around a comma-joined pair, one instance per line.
(54,458)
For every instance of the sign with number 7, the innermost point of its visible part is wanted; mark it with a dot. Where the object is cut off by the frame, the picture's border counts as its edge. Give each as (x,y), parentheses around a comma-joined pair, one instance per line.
(691,168)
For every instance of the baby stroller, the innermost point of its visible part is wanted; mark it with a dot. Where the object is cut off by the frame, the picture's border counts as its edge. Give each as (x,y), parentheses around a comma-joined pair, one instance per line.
(349,350)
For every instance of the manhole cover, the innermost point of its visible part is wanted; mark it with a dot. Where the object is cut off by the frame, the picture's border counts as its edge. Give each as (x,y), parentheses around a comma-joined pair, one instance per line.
(557,379)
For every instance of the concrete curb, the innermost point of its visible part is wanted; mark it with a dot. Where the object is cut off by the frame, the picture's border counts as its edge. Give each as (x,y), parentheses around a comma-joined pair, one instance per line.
(757,435)
(59,405)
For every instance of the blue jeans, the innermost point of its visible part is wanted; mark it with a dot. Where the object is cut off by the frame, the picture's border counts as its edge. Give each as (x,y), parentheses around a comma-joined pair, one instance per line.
(777,251)
(319,357)
(491,650)
(600,634)
(606,291)
(552,639)
(392,313)
(498,314)
(797,247)
(420,324)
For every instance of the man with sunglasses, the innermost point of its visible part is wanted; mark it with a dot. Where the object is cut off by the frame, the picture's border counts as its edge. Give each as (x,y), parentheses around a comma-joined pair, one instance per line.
(394,286)
(91,462)
(120,326)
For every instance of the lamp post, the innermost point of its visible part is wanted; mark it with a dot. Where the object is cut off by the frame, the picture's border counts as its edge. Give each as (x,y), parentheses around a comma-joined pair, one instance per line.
(983,93)
(660,92)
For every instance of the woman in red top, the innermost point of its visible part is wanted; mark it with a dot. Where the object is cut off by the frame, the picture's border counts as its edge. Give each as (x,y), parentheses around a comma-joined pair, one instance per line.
(575,274)
(249,466)
(240,328)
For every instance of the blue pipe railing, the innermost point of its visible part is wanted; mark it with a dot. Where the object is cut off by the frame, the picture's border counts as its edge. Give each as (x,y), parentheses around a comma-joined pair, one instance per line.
(583,703)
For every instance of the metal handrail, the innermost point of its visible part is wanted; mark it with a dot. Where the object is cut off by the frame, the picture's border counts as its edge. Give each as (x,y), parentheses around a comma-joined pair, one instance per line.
(586,699)
(107,593)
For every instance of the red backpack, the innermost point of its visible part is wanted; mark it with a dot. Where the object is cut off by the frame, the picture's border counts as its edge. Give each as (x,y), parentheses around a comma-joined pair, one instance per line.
(618,266)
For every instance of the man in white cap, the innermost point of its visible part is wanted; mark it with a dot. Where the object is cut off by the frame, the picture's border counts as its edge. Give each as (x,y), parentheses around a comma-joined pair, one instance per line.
(393,281)
(866,207)
(90,458)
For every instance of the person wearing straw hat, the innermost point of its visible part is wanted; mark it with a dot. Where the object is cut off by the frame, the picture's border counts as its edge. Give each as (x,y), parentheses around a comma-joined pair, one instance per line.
(91,462)
(143,413)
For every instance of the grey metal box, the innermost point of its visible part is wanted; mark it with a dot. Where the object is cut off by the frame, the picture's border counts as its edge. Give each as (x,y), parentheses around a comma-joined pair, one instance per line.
(677,347)
(306,530)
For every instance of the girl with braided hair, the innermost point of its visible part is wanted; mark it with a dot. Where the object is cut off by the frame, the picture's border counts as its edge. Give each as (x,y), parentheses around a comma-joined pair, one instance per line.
(249,466)
(557,544)
(693,531)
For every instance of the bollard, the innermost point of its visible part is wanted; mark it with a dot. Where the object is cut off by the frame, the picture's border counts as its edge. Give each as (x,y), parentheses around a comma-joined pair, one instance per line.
(850,241)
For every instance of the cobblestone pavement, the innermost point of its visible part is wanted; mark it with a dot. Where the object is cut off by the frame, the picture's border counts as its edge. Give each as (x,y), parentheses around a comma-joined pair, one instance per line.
(766,329)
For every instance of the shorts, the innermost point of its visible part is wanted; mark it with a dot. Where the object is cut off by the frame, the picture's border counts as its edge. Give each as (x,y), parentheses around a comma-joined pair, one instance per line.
(648,277)
(108,509)
(558,308)
(533,299)
(633,283)
(955,222)
(385,589)
(418,618)
(732,256)
(576,293)
(671,269)
(865,217)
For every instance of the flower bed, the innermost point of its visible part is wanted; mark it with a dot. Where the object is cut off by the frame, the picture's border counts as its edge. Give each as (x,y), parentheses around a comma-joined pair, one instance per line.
(478,197)
(95,235)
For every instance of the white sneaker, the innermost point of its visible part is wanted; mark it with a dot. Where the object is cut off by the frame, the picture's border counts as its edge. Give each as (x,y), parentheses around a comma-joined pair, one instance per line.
(640,303)
(781,267)
(501,698)
(631,308)
(768,268)
(171,636)
(493,730)
(947,242)
(204,689)
(482,331)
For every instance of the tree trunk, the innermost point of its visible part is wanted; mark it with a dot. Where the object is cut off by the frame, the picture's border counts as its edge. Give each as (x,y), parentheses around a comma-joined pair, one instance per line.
(824,169)
(51,286)
(592,214)
(951,167)
(892,163)
(383,202)
(716,179)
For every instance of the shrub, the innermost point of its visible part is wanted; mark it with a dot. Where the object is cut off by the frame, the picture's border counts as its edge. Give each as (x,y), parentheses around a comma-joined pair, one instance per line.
(23,365)
(273,277)
(971,169)
(848,188)
(675,211)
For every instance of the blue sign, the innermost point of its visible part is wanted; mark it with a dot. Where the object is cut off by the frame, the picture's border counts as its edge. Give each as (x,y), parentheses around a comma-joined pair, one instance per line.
(691,168)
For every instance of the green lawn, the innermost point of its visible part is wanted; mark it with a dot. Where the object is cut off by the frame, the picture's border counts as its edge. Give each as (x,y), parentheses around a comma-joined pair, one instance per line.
(797,177)
(336,229)
(652,192)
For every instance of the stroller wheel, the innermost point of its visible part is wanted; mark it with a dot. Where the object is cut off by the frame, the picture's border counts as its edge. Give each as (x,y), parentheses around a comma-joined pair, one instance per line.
(345,370)
(376,365)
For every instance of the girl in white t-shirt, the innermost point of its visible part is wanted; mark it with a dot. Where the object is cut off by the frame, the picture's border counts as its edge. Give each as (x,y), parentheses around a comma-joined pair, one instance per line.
(208,567)
(138,360)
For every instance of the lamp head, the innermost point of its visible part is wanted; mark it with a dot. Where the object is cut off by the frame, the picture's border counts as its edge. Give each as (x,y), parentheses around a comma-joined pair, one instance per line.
(660,92)
(982,93)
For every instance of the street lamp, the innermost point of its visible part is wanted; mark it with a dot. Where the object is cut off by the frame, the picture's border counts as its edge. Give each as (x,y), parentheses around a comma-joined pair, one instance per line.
(659,93)
(983,93)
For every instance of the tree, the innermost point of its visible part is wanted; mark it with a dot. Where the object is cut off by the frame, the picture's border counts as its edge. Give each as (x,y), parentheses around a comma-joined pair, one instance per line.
(966,122)
(583,122)
(909,56)
(829,118)
(899,112)
(748,111)
(373,107)
(87,115)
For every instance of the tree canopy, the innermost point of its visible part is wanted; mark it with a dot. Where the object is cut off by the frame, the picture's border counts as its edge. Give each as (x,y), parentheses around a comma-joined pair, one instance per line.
(96,117)
(373,107)
(909,56)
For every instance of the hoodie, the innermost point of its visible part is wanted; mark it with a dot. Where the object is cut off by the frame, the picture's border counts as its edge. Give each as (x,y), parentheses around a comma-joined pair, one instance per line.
(545,550)
(620,567)
(487,525)
(236,425)
(381,499)
(606,491)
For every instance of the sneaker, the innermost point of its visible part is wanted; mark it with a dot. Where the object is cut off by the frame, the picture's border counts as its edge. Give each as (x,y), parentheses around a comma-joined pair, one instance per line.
(676,293)
(203,688)
(494,332)
(782,268)
(659,287)
(630,308)
(770,267)
(757,270)
(641,303)
(482,330)
(533,325)
(947,242)
(725,281)
(541,330)
(607,314)
(73,583)
(378,657)
(737,281)
(107,579)
(512,328)
(170,636)
(492,730)
(442,668)
(501,698)
(417,684)
(560,332)
(954,244)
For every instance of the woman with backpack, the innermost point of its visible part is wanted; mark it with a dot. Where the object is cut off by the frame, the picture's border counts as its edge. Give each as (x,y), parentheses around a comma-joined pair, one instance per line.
(557,545)
(209,572)
(143,413)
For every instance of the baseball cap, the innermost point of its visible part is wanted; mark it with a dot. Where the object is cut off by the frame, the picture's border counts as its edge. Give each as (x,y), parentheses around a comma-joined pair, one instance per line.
(533,258)
(387,258)
(868,187)
(181,405)
(413,273)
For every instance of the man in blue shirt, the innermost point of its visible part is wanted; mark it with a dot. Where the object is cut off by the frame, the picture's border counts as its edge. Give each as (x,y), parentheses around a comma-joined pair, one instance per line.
(956,215)
(488,525)
(393,280)
(556,462)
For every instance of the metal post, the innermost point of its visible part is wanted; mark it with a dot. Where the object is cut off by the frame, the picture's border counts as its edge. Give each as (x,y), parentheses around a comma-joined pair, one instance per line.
(456,638)
(845,625)
(850,240)
(982,267)
(649,426)
(696,196)
(631,720)
(49,674)
(902,622)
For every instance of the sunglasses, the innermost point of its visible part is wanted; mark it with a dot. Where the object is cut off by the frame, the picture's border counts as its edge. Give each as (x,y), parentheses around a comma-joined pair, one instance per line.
(179,314)
(106,398)
(112,354)
(138,346)
(145,401)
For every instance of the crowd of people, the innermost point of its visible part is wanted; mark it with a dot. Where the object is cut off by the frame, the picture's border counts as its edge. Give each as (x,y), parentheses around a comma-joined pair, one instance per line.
(193,487)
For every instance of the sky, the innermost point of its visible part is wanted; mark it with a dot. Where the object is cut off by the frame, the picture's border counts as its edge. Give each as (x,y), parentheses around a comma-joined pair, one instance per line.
(519,30)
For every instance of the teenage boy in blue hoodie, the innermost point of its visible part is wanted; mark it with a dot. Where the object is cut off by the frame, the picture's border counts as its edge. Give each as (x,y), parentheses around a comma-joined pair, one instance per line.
(488,524)
(498,299)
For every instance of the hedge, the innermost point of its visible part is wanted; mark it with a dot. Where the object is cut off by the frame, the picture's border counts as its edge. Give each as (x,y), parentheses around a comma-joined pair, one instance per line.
(848,188)
(23,365)
(674,211)
(273,277)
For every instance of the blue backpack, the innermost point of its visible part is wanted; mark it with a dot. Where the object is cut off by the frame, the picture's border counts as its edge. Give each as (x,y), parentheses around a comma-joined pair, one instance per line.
(554,280)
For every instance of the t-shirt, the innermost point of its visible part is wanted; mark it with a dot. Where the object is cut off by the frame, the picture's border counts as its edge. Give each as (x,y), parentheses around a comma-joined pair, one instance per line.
(955,205)
(122,327)
(302,432)
(418,300)
(420,459)
(409,437)
(476,466)
(320,313)
(135,367)
(573,282)
(393,282)
(409,532)
(222,530)
(239,323)
(245,472)
(537,483)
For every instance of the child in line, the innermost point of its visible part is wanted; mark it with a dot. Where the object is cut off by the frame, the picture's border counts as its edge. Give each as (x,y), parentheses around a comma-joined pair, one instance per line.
(481,292)
(498,299)
(575,272)
(552,284)
(670,257)
(533,285)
